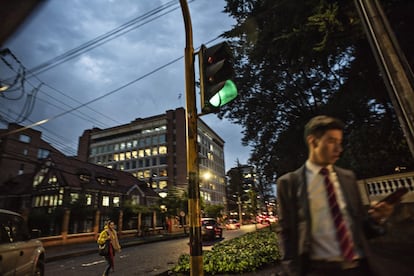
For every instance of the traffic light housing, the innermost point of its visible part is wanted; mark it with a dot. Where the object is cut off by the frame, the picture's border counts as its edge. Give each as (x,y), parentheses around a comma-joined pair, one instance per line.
(216,77)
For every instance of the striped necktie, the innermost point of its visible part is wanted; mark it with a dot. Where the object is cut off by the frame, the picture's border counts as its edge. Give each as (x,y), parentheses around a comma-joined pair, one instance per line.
(342,232)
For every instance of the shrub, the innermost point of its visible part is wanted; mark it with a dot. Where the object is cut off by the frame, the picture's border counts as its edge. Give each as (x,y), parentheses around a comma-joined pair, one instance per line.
(243,254)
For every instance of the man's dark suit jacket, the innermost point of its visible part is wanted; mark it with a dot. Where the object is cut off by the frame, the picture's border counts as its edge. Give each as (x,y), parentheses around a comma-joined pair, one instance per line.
(295,219)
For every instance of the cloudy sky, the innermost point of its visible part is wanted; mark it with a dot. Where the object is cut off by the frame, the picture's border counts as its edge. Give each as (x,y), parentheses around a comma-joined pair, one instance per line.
(101,63)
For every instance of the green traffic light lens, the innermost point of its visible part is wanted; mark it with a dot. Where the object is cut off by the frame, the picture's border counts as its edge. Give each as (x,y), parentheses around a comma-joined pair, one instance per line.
(226,94)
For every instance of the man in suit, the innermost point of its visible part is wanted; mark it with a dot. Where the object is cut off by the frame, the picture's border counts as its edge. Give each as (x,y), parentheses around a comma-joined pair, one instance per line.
(324,225)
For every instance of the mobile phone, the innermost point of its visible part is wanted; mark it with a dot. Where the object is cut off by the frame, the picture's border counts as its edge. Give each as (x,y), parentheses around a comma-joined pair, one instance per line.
(395,196)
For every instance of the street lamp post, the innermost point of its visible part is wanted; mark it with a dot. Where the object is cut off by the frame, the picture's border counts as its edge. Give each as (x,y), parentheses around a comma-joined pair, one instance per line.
(194,210)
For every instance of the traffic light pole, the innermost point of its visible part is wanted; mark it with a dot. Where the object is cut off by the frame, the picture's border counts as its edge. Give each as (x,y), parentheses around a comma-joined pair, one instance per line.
(194,211)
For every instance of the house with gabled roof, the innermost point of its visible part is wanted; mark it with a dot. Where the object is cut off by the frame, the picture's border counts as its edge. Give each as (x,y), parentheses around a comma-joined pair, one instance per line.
(64,194)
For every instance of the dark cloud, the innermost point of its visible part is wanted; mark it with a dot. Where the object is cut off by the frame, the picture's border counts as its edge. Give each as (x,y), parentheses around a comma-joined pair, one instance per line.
(60,26)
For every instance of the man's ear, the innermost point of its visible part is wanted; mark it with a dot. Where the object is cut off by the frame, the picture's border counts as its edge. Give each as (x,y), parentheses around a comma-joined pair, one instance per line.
(312,141)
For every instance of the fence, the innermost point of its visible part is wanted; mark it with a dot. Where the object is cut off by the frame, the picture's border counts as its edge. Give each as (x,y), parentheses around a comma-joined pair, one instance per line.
(374,189)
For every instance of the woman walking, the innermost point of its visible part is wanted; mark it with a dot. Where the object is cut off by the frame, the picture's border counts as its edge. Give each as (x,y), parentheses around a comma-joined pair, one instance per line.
(110,237)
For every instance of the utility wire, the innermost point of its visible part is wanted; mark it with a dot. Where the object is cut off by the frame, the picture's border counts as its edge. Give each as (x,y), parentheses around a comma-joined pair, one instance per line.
(102,39)
(98,98)
(29,102)
(58,143)
(91,101)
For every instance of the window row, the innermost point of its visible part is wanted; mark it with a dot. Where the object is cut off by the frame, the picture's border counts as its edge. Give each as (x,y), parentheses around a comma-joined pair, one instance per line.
(132,144)
(134,154)
(134,164)
(57,200)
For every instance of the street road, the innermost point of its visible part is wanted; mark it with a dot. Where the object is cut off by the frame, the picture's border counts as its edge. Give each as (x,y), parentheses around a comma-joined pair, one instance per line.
(145,259)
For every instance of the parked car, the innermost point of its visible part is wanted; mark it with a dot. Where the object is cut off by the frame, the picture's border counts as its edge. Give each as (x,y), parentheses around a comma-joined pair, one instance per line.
(232,224)
(20,252)
(210,229)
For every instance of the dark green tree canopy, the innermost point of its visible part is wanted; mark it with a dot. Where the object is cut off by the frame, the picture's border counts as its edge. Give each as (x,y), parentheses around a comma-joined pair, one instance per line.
(297,59)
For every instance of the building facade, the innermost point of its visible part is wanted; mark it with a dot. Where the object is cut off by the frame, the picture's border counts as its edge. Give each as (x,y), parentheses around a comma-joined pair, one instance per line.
(154,150)
(21,150)
(61,194)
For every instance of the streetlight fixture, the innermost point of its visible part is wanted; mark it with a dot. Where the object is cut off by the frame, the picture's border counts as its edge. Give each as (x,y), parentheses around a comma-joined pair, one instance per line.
(3,86)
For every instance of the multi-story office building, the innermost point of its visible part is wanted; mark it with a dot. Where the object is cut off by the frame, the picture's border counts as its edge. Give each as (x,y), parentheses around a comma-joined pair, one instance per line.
(154,150)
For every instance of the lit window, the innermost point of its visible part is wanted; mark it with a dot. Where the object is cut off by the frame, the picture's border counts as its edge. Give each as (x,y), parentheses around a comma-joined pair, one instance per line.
(38,179)
(140,174)
(37,201)
(163,172)
(101,180)
(128,155)
(24,138)
(141,153)
(116,157)
(122,147)
(88,199)
(21,170)
(147,152)
(154,150)
(105,201)
(154,184)
(116,201)
(122,156)
(162,150)
(163,184)
(74,197)
(134,154)
(135,200)
(52,179)
(129,144)
(46,200)
(84,178)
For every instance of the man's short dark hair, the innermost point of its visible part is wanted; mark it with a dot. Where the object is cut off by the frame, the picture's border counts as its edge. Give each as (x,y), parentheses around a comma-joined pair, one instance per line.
(318,125)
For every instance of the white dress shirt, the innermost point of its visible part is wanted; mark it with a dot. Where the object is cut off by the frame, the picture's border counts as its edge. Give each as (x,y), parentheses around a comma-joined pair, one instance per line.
(325,245)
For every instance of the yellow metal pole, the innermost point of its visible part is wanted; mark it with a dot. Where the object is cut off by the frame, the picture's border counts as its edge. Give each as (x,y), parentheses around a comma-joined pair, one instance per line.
(196,253)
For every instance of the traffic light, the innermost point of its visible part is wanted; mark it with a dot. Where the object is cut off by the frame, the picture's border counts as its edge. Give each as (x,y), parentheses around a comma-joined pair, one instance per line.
(216,77)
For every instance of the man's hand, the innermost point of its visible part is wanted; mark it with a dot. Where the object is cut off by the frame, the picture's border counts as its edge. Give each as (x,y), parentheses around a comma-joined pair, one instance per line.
(381,211)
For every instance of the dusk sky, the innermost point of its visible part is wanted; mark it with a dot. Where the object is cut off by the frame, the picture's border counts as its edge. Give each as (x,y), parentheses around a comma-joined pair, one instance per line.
(102,63)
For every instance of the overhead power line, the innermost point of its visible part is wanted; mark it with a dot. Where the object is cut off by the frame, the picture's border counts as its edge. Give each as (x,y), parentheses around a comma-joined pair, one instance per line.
(41,122)
(102,39)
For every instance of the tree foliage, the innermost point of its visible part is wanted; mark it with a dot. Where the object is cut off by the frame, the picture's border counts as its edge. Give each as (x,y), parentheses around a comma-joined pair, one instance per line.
(297,59)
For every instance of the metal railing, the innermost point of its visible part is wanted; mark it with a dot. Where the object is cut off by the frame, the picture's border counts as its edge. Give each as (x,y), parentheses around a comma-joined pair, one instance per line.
(374,189)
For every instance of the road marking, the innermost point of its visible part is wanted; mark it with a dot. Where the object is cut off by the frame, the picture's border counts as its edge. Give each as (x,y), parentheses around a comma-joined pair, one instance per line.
(93,263)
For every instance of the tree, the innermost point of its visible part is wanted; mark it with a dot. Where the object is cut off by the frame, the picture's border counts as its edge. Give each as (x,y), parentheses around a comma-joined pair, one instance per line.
(175,201)
(213,211)
(297,59)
